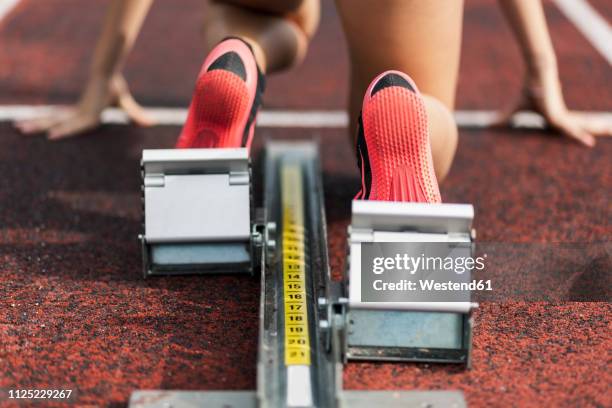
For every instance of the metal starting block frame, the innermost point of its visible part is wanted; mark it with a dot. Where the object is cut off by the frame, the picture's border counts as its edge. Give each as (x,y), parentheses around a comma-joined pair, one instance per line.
(198,212)
(438,332)
(199,218)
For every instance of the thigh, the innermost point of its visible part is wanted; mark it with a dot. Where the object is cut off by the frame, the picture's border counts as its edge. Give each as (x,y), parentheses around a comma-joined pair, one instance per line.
(419,37)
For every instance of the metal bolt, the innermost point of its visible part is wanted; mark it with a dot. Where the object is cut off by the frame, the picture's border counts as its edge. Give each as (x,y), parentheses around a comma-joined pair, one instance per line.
(271,244)
(257,238)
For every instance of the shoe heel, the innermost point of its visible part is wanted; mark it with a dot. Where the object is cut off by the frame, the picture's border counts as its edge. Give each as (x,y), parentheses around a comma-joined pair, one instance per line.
(404,186)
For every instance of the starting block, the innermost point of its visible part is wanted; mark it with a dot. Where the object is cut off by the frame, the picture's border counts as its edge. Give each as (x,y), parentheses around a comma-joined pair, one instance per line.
(408,331)
(199,217)
(198,212)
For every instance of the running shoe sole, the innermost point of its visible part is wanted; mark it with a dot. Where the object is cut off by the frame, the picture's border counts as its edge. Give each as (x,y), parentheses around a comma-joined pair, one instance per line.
(393,149)
(226,99)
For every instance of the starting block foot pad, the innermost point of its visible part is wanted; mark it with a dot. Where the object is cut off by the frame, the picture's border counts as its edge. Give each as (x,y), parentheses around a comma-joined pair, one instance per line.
(198,213)
(410,330)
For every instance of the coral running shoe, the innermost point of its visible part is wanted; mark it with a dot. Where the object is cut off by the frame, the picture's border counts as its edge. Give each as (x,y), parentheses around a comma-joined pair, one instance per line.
(393,150)
(226,99)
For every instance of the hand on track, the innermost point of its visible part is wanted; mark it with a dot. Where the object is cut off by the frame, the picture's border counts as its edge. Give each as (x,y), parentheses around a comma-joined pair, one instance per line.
(86,115)
(542,94)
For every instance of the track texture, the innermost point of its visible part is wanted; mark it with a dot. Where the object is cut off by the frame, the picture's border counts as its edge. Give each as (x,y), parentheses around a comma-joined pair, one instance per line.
(75,312)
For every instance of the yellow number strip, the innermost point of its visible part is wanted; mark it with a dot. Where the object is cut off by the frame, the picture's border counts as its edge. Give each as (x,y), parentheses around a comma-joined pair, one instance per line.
(297,340)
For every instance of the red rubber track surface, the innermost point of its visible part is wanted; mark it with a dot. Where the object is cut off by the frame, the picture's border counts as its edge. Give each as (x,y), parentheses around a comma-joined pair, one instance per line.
(75,312)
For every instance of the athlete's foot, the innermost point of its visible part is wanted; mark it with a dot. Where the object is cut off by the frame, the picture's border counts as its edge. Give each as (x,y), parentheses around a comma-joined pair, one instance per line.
(393,149)
(226,99)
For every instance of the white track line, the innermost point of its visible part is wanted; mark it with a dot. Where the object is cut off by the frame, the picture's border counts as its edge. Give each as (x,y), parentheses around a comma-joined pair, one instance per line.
(591,24)
(6,6)
(281,119)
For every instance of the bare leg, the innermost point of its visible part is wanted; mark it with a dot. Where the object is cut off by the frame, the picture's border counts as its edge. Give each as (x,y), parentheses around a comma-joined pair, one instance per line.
(279,31)
(105,85)
(542,91)
(420,38)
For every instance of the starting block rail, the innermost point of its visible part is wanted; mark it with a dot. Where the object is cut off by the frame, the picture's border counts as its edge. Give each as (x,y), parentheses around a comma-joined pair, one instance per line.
(309,325)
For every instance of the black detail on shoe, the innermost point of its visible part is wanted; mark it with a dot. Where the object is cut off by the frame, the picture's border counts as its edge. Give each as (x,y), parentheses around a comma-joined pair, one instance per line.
(362,152)
(261,87)
(257,102)
(391,80)
(230,61)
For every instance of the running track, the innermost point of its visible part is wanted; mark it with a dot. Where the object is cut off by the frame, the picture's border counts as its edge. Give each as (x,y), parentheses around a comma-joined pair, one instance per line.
(75,313)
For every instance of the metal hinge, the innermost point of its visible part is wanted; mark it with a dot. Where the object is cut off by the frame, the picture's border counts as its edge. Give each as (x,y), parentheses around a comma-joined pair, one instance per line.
(154,180)
(238,178)
(357,235)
